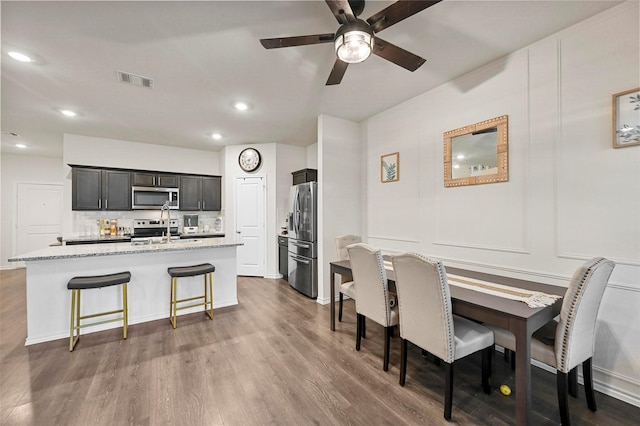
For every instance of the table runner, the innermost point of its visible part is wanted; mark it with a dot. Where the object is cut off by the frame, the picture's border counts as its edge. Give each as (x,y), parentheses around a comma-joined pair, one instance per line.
(533,299)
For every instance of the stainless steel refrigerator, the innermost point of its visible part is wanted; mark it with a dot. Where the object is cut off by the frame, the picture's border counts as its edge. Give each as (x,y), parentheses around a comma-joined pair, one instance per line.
(303,231)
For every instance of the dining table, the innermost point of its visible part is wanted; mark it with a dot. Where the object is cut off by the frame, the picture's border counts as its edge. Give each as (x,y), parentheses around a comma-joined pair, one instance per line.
(513,315)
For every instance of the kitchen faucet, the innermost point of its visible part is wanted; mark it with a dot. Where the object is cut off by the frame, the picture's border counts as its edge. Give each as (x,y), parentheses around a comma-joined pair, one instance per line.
(164,207)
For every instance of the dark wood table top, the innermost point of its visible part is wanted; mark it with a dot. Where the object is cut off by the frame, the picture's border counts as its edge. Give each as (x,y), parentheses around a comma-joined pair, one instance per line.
(489,302)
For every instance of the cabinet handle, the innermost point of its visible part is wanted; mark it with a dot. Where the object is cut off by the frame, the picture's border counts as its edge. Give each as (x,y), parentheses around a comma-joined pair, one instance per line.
(203,205)
(154,181)
(106,204)
(198,204)
(99,203)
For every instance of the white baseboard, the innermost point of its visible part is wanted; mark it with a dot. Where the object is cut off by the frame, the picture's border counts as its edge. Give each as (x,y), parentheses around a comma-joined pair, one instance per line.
(604,381)
(273,276)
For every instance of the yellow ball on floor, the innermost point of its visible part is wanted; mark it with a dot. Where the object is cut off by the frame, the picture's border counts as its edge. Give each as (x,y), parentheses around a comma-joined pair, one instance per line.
(505,390)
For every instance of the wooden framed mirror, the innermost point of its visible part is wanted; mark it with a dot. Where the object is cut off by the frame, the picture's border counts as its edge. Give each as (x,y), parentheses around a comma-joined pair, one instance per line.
(478,153)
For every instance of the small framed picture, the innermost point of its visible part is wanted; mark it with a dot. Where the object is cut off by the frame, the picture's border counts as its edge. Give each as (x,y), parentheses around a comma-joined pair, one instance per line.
(390,167)
(626,118)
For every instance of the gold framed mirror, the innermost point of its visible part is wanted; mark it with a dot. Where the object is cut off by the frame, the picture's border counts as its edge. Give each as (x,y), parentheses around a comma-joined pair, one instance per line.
(477,154)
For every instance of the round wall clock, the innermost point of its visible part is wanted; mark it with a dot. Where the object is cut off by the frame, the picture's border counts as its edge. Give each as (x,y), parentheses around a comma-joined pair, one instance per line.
(249,159)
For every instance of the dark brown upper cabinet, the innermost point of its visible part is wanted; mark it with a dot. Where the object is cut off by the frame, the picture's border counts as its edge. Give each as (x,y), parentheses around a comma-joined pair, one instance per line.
(200,193)
(164,180)
(97,189)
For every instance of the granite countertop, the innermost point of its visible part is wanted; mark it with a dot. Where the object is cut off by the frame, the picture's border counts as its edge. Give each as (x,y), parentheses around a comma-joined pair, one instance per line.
(87,250)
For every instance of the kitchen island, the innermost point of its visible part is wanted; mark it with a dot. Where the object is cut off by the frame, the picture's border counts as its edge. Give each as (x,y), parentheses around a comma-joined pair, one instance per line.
(49,270)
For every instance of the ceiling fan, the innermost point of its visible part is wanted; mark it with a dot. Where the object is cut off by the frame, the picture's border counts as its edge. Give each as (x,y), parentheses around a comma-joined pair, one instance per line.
(356,39)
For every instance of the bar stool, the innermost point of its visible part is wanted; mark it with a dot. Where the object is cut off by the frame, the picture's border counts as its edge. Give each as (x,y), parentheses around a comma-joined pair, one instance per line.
(190,271)
(76,284)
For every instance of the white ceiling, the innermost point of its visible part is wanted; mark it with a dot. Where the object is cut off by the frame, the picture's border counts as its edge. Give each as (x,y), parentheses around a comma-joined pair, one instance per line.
(205,55)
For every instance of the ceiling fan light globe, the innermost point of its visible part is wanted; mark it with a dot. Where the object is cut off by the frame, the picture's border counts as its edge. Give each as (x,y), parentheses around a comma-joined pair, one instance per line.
(354,46)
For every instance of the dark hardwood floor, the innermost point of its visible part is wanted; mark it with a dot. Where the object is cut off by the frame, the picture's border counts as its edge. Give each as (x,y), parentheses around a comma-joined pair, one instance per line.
(270,360)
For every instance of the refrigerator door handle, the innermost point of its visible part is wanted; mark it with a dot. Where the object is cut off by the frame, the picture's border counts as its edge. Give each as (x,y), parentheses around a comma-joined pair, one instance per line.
(298,259)
(297,213)
(303,245)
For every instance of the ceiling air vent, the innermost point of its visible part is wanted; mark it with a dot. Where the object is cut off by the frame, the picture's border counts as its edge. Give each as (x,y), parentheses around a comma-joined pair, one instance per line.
(134,79)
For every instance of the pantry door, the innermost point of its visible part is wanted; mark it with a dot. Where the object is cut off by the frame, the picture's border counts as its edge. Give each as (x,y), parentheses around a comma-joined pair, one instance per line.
(250,225)
(38,216)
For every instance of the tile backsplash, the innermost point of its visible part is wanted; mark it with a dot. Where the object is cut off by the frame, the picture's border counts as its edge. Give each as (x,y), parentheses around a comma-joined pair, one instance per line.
(86,223)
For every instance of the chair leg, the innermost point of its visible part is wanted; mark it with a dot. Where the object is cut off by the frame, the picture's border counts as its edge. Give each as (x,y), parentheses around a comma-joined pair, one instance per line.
(403,360)
(587,375)
(512,359)
(340,308)
(358,330)
(506,354)
(563,403)
(364,327)
(573,382)
(387,344)
(448,390)
(486,368)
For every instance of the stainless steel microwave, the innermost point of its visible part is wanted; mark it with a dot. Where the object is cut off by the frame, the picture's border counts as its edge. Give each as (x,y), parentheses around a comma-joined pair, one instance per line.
(152,198)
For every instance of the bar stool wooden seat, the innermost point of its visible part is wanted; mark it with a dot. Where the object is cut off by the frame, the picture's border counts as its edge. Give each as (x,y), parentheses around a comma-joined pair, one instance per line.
(205,269)
(76,284)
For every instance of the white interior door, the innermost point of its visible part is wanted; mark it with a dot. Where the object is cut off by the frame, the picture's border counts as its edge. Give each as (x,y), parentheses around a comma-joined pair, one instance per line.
(39,216)
(250,225)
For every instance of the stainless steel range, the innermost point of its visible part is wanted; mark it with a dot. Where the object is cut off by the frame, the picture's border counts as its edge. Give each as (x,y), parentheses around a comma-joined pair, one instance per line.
(152,229)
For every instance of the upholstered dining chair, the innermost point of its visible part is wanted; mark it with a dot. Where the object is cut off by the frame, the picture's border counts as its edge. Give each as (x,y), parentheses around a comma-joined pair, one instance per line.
(569,341)
(372,291)
(346,288)
(426,320)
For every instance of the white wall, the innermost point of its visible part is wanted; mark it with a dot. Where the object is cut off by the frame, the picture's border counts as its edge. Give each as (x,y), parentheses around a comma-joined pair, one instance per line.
(340,190)
(21,169)
(101,152)
(278,161)
(569,197)
(312,157)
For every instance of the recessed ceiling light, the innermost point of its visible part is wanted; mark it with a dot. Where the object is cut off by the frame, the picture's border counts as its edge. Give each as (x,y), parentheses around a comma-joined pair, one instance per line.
(21,145)
(241,106)
(68,112)
(216,136)
(456,166)
(460,157)
(19,56)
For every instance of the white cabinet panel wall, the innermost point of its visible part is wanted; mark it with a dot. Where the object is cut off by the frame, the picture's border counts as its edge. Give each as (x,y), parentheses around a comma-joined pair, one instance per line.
(570,195)
(595,211)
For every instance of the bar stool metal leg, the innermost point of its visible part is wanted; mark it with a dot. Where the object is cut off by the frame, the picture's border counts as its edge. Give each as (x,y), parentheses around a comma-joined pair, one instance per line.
(125,309)
(206,299)
(174,297)
(76,284)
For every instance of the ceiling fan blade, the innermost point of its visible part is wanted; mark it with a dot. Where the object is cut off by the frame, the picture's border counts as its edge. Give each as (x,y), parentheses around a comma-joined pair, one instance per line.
(341,10)
(397,12)
(397,55)
(337,72)
(274,43)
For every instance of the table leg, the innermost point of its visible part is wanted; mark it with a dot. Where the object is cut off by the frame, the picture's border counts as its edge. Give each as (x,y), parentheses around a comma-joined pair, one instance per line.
(523,373)
(332,300)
